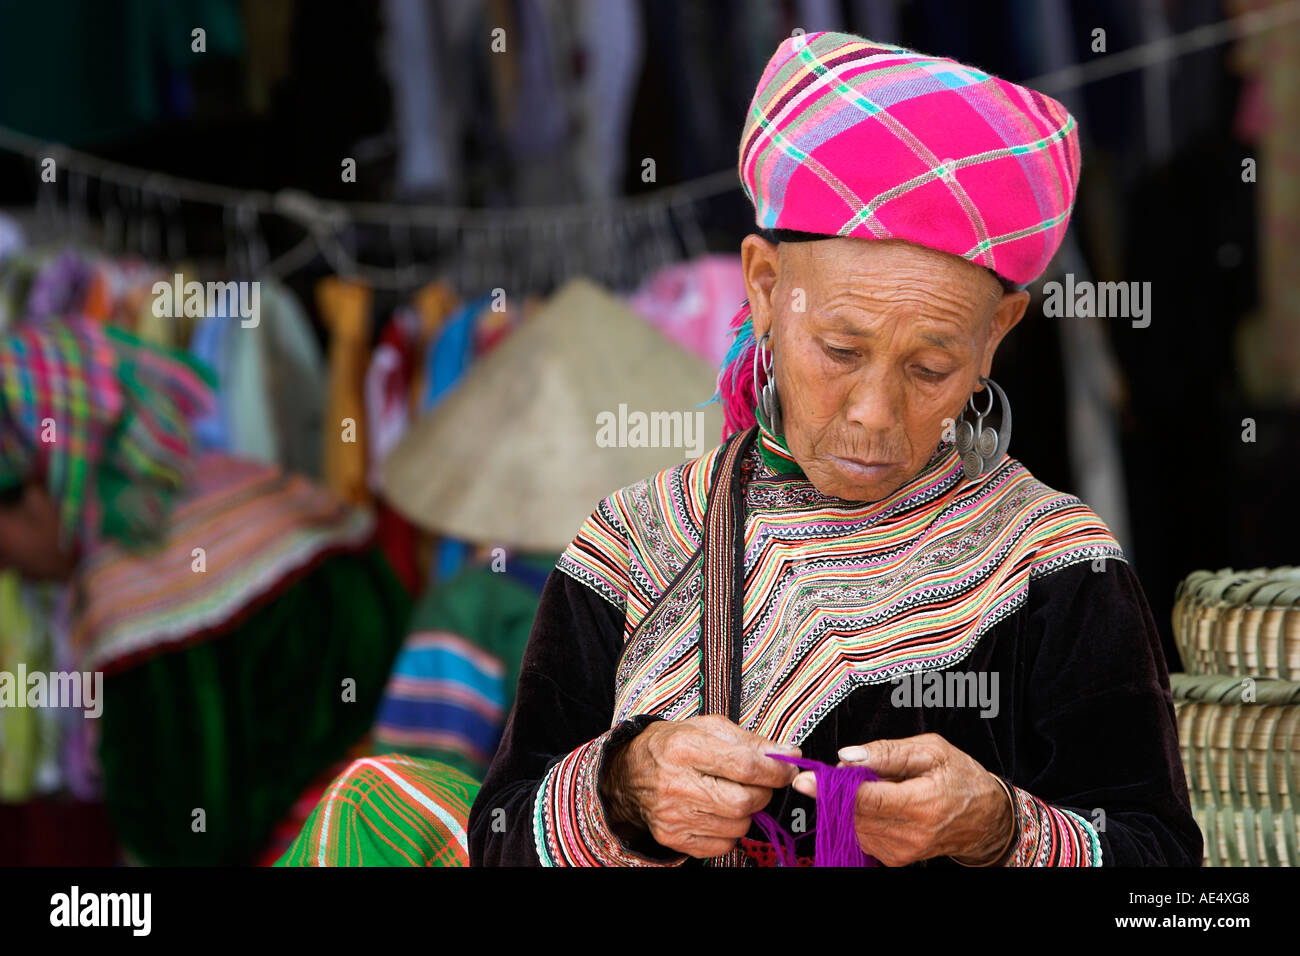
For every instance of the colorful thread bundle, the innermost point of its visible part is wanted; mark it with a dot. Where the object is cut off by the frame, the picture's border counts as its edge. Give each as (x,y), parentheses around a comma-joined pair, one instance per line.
(836,839)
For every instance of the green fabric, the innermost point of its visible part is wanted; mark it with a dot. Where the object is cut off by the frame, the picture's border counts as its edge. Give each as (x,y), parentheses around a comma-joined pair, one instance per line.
(778,464)
(29,736)
(494,612)
(102,69)
(376,813)
(239,725)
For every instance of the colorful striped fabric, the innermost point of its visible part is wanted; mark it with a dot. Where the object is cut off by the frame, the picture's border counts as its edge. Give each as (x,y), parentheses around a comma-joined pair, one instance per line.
(847,137)
(1050,836)
(103,418)
(444,694)
(241,533)
(453,682)
(389,811)
(290,826)
(569,823)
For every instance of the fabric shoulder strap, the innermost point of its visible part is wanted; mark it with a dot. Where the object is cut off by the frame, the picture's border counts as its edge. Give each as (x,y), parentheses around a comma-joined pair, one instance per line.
(721,594)
(723,582)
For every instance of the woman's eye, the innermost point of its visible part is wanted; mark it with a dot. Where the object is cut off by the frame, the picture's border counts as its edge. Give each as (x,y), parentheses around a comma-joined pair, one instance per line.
(842,355)
(930,374)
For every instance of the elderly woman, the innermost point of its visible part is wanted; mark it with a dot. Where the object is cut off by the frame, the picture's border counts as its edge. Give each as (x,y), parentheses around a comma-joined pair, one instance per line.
(861,546)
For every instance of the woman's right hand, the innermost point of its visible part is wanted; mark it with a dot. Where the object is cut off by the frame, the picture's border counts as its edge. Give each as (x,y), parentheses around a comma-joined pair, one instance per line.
(694,784)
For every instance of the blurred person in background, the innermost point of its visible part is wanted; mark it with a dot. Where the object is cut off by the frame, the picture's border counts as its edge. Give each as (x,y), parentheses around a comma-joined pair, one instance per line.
(242,618)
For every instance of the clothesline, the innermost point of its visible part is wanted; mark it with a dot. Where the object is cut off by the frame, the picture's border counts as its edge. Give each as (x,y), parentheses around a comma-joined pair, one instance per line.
(662,212)
(665,214)
(300,206)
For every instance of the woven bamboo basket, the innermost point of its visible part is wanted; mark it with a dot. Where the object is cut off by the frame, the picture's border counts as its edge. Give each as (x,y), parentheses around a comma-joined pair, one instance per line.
(1242,761)
(1239,622)
(1245,838)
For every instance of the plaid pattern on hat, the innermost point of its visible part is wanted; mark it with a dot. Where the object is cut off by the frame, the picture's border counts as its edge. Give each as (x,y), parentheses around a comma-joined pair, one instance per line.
(847,137)
(102,418)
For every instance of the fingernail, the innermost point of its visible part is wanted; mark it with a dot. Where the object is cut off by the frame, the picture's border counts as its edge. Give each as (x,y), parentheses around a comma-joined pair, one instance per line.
(805,783)
(853,754)
(784,750)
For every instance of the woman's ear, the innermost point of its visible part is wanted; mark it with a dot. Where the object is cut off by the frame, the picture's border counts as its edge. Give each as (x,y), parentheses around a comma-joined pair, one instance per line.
(759,263)
(1008,312)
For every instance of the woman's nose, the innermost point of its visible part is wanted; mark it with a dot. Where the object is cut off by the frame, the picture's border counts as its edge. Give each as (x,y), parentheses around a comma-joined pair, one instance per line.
(875,402)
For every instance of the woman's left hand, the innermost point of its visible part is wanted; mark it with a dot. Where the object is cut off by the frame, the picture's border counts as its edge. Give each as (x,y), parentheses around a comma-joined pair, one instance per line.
(931,800)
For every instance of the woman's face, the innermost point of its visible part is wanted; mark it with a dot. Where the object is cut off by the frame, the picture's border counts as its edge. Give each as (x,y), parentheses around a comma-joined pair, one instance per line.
(877,346)
(29,536)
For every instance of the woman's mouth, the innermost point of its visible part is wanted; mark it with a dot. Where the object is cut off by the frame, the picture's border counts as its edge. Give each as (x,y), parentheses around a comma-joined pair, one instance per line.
(865,470)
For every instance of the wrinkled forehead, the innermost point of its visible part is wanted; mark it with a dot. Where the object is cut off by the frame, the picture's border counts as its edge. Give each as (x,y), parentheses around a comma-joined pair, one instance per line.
(887,271)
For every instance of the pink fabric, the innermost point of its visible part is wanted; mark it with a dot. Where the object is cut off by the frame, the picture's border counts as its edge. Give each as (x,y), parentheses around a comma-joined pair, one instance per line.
(692,303)
(848,137)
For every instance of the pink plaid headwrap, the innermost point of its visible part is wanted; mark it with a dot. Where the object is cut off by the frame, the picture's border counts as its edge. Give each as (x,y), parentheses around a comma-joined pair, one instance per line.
(846,137)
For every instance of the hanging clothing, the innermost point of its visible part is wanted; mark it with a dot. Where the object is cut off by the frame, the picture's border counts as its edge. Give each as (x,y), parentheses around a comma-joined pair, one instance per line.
(447,361)
(12,240)
(388,412)
(208,345)
(612,51)
(424,115)
(296,379)
(692,303)
(846,602)
(434,304)
(345,310)
(270,383)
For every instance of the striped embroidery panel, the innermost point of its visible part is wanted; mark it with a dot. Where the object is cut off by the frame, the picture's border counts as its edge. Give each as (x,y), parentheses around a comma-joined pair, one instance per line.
(838,595)
(1053,837)
(631,563)
(569,824)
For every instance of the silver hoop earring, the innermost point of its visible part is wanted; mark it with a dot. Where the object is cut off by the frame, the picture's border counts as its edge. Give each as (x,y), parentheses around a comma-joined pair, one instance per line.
(981,446)
(767,399)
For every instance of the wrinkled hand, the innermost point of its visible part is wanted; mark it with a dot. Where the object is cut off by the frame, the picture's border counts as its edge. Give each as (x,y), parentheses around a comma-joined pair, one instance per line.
(694,784)
(931,800)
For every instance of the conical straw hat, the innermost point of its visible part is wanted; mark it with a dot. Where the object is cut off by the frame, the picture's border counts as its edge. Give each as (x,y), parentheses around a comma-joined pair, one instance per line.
(519,454)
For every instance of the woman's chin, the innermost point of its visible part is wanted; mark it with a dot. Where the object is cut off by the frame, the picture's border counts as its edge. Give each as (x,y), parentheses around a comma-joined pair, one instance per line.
(853,481)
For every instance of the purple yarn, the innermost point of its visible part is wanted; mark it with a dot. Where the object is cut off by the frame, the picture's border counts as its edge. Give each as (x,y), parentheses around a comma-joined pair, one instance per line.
(836,839)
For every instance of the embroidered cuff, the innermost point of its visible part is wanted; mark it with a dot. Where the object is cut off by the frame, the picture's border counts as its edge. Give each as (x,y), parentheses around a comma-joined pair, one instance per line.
(570,827)
(1050,836)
